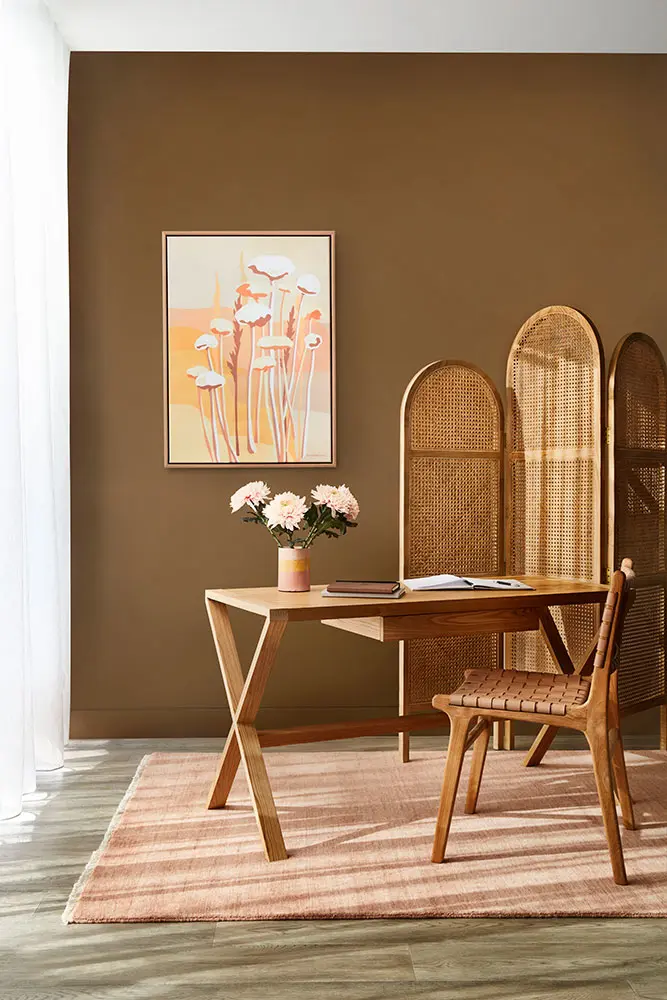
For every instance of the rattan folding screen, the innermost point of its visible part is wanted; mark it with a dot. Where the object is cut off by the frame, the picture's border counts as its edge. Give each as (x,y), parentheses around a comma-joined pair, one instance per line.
(637,489)
(554,469)
(452,512)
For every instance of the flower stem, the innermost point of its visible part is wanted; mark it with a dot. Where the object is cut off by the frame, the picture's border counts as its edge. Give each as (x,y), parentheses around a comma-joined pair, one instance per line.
(304,439)
(296,340)
(271,410)
(214,427)
(200,400)
(265,522)
(249,411)
(323,517)
(222,417)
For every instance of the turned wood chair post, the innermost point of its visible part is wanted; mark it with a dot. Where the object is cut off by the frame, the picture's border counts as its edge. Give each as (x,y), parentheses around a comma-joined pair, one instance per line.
(589,706)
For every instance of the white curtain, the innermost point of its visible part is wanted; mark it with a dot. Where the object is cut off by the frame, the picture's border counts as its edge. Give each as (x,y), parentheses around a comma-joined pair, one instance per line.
(34,399)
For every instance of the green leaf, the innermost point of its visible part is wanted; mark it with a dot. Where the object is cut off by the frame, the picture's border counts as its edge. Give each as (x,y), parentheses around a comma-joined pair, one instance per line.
(311,516)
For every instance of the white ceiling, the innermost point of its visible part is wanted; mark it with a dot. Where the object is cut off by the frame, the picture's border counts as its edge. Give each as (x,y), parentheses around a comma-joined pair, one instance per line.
(363,25)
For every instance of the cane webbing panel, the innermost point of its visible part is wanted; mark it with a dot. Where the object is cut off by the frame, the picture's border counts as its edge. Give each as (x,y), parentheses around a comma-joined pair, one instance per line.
(451,510)
(554,442)
(637,510)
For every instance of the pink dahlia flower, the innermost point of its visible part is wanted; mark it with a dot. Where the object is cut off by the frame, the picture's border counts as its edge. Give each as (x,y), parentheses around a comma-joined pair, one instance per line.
(252,493)
(339,498)
(286,510)
(321,494)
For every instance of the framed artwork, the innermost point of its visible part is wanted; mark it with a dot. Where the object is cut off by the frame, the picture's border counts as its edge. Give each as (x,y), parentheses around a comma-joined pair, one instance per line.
(249,349)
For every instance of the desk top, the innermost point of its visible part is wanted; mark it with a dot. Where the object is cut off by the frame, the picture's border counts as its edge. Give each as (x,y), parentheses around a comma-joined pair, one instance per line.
(311,606)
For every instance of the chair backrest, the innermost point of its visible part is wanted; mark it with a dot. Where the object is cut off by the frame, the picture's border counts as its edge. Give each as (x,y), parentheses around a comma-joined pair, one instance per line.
(619,599)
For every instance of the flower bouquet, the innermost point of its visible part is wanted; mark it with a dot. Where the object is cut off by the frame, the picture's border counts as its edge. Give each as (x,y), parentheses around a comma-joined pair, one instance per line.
(295,523)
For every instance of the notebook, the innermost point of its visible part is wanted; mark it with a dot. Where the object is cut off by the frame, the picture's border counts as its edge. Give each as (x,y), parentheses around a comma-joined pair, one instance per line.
(364,588)
(447,581)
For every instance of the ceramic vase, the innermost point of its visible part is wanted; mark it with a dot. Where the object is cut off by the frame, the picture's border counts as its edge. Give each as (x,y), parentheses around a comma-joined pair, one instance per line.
(293,570)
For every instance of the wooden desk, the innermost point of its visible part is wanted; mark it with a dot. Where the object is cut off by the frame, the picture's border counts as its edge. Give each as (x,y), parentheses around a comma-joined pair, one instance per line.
(433,613)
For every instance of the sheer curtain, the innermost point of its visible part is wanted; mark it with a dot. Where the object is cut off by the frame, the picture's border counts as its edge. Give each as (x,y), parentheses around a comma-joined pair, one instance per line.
(34,399)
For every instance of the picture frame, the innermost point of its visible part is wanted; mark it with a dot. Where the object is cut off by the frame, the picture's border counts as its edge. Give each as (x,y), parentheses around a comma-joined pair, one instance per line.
(249,349)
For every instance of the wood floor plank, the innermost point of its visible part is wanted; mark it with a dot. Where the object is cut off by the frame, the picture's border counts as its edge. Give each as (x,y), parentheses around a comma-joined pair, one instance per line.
(531,953)
(652,986)
(305,963)
(347,990)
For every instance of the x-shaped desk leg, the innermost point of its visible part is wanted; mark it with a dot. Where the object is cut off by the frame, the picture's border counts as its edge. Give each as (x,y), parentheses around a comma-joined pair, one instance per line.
(244,697)
(563,660)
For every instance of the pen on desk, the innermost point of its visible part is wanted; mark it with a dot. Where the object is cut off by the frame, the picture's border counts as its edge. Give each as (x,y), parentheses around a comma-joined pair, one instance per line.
(504,583)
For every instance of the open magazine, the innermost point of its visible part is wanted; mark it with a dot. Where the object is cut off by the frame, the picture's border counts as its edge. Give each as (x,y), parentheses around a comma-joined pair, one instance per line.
(446,581)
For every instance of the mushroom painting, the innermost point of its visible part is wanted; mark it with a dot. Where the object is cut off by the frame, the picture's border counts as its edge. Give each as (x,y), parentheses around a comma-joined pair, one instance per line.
(249,349)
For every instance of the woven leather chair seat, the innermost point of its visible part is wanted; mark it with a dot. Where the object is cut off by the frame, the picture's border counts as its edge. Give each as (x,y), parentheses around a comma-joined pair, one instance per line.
(521,691)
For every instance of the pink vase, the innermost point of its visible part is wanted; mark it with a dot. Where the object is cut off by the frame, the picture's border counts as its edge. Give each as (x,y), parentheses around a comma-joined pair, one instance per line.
(294,570)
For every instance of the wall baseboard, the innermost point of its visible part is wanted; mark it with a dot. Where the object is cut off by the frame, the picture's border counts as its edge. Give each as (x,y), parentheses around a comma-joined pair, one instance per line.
(157,723)
(170,723)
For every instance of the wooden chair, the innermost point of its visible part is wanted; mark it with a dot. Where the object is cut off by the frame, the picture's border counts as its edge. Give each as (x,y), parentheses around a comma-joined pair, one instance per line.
(573,701)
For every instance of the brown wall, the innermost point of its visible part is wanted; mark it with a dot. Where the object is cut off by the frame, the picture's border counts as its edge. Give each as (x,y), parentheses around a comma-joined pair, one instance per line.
(465,191)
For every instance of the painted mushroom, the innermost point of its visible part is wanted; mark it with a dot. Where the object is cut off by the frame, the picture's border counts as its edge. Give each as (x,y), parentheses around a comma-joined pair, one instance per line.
(211,381)
(266,363)
(314,315)
(207,342)
(194,374)
(254,316)
(279,401)
(307,284)
(275,267)
(311,343)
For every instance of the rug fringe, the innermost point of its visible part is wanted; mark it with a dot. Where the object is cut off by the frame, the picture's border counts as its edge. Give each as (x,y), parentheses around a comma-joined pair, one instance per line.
(80,884)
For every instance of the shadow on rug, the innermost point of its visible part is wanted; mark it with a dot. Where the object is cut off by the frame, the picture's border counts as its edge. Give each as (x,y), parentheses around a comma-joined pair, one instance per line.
(358,829)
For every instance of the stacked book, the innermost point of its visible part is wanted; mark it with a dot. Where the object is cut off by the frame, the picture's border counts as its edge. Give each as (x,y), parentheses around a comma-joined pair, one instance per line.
(382,589)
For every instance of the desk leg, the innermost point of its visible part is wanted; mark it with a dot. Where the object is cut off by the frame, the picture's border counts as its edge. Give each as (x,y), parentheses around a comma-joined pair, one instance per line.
(542,742)
(503,735)
(562,659)
(244,697)
(224,779)
(503,730)
(403,738)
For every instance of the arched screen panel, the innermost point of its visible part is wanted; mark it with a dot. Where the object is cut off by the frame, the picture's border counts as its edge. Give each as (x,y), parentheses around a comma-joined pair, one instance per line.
(637,490)
(451,518)
(554,459)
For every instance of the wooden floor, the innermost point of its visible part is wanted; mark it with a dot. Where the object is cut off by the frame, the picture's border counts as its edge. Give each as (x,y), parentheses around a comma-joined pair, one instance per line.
(43,852)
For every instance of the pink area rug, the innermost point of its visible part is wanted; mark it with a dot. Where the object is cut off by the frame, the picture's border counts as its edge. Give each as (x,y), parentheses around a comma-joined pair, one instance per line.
(358,828)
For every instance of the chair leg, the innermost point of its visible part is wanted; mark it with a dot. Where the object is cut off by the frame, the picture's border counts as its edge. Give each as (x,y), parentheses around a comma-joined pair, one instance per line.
(622,786)
(458,731)
(476,768)
(598,740)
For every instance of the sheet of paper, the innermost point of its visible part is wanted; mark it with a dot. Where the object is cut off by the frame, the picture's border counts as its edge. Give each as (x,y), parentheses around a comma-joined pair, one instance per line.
(447,581)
